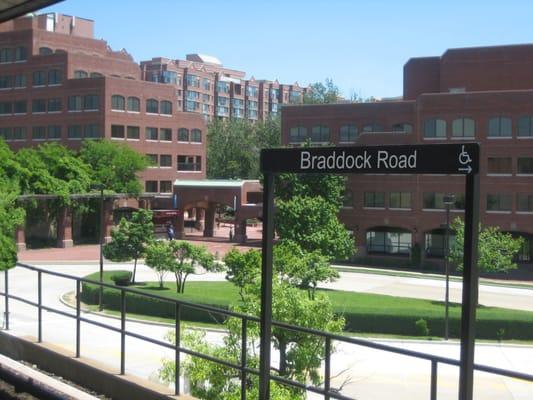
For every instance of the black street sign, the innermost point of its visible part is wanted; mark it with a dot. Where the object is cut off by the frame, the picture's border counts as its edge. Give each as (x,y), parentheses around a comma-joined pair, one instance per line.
(460,158)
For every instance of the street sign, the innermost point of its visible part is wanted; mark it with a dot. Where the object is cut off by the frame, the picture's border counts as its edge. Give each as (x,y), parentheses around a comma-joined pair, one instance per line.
(404,159)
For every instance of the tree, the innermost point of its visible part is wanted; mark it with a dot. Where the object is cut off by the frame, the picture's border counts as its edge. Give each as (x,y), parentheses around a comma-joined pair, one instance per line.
(496,249)
(322,93)
(130,238)
(11,216)
(242,268)
(188,257)
(114,165)
(160,257)
(234,145)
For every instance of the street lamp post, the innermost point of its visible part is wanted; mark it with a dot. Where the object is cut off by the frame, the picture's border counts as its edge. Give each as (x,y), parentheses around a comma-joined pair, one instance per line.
(448,200)
(101,240)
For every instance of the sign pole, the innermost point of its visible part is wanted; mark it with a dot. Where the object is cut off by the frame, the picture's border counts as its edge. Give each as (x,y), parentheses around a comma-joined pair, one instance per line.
(470,287)
(266,286)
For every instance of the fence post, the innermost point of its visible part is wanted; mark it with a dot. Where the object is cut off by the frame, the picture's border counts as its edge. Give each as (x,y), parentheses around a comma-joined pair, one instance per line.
(177,350)
(39,307)
(433,380)
(243,357)
(6,310)
(122,332)
(327,368)
(78,300)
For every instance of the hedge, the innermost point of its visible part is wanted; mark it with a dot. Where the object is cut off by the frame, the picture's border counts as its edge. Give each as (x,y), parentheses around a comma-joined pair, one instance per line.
(365,319)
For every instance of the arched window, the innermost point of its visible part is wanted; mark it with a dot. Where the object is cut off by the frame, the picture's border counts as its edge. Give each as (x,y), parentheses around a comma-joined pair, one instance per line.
(134,104)
(183,135)
(500,127)
(80,74)
(388,240)
(117,102)
(45,51)
(166,107)
(402,127)
(320,134)
(435,128)
(96,75)
(298,134)
(196,136)
(348,133)
(152,106)
(463,127)
(373,127)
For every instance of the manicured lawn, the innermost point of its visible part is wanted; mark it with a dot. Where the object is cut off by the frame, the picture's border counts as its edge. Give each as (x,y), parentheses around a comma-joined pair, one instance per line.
(364,312)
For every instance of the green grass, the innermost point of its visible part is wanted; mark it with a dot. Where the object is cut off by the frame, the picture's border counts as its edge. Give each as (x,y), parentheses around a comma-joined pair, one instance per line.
(364,312)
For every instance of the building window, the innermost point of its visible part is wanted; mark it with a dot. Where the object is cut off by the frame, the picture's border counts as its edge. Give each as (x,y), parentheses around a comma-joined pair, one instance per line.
(388,241)
(525,126)
(525,165)
(192,106)
(117,102)
(524,202)
(297,134)
(499,202)
(117,131)
(80,74)
(133,132)
(38,132)
(20,107)
(6,108)
(74,132)
(165,134)
(435,201)
(374,199)
(20,81)
(152,106)
(54,105)
(183,135)
(6,133)
(152,159)
(348,133)
(500,165)
(189,163)
(96,75)
(402,127)
(54,132)
(20,53)
(435,128)
(6,82)
(91,131)
(165,186)
(193,80)
(500,127)
(134,104)
(54,77)
(196,136)
(165,160)
(166,107)
(222,87)
(373,127)
(75,103)
(19,133)
(400,200)
(435,242)
(38,106)
(39,78)
(151,133)
(150,186)
(320,134)
(463,127)
(347,199)
(91,102)
(206,84)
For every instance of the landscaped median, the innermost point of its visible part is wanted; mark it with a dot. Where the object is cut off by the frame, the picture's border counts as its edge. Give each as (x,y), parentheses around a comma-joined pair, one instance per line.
(364,313)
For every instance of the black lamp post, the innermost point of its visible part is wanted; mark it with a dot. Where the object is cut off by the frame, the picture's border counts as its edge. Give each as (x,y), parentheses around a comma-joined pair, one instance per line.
(448,201)
(101,240)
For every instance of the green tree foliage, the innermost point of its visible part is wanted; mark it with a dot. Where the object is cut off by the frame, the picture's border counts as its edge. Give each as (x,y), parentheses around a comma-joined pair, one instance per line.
(496,249)
(242,268)
(160,257)
(114,165)
(130,238)
(329,187)
(188,258)
(234,146)
(11,216)
(322,93)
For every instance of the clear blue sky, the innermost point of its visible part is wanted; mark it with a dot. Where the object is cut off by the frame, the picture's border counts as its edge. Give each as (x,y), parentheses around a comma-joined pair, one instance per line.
(361,45)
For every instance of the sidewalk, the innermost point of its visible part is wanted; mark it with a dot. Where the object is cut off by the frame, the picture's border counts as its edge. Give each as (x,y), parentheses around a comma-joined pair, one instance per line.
(219,244)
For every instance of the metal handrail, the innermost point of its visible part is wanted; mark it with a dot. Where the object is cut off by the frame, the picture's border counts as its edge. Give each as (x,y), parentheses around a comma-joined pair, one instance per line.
(240,365)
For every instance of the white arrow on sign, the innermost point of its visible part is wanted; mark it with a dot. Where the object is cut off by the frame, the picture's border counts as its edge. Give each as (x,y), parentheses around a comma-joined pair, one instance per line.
(468,169)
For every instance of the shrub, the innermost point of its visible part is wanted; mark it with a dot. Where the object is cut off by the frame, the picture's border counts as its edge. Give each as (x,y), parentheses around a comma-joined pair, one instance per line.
(121,278)
(422,327)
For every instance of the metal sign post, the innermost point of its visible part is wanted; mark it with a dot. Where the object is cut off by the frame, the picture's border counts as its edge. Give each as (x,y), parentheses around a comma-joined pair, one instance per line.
(416,159)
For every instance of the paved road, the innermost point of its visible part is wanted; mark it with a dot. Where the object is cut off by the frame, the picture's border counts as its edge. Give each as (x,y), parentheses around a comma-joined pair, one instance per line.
(366,374)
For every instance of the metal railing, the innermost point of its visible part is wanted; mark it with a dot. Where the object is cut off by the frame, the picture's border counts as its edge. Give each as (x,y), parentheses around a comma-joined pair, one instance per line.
(325,390)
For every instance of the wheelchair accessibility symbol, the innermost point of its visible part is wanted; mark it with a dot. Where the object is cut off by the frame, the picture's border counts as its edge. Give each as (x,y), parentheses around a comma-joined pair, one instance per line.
(465,160)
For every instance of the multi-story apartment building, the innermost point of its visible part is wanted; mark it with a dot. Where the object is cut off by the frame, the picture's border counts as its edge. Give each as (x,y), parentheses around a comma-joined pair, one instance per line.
(204,86)
(474,94)
(58,83)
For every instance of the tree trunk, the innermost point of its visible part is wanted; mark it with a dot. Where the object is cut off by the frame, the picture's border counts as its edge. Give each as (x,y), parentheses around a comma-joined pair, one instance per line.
(282,358)
(134,270)
(178,282)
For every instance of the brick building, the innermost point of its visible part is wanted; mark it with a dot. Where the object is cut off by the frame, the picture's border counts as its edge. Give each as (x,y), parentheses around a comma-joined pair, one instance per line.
(472,94)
